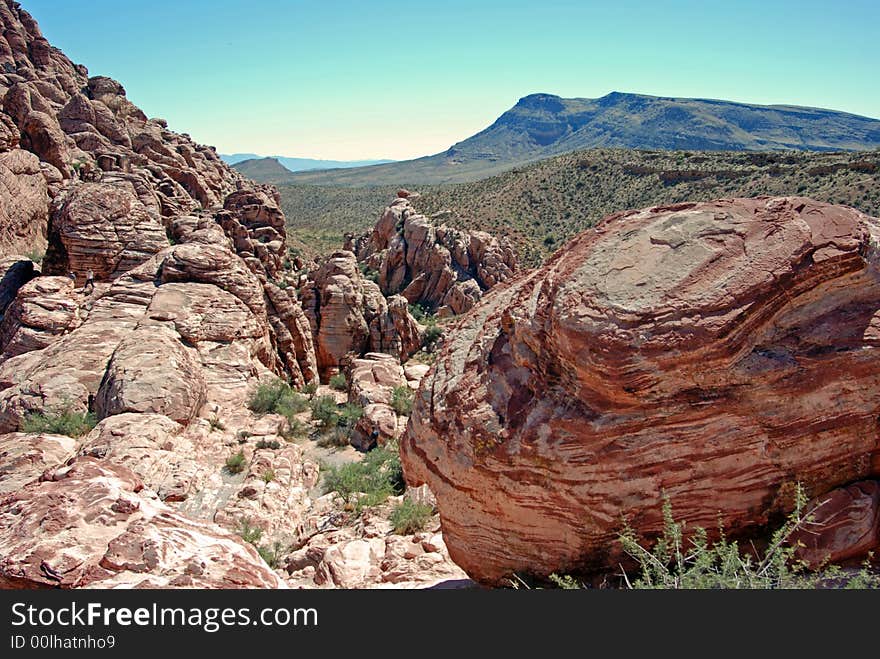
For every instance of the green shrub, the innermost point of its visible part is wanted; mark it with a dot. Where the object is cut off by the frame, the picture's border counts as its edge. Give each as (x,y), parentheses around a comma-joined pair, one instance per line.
(419,312)
(64,422)
(325,410)
(271,554)
(268,476)
(337,436)
(310,389)
(235,463)
(565,582)
(295,430)
(368,482)
(348,415)
(338,382)
(402,400)
(410,517)
(277,398)
(248,533)
(721,564)
(369,273)
(36,255)
(273,444)
(431,336)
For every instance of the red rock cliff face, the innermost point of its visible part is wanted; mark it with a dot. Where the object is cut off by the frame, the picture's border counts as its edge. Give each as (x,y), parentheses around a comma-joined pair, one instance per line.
(716,352)
(184,319)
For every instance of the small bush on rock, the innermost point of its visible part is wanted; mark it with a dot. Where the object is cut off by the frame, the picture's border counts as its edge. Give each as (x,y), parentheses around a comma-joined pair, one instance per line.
(369,482)
(410,517)
(64,422)
(277,397)
(235,463)
(402,400)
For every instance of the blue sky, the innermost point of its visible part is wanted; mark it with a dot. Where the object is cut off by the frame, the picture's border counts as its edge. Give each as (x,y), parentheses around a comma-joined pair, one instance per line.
(386,79)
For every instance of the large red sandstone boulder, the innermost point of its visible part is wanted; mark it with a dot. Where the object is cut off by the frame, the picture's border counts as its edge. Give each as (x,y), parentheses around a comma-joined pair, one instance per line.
(152,372)
(45,309)
(24,201)
(717,353)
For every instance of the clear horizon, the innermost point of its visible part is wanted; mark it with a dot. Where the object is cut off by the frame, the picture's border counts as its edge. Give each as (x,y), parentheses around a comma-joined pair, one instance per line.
(386,79)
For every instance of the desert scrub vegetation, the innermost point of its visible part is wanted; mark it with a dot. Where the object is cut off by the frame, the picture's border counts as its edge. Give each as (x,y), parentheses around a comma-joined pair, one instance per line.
(235,463)
(402,400)
(325,410)
(36,255)
(272,444)
(272,554)
(431,336)
(65,421)
(369,482)
(410,517)
(337,421)
(338,382)
(277,397)
(296,429)
(249,533)
(675,562)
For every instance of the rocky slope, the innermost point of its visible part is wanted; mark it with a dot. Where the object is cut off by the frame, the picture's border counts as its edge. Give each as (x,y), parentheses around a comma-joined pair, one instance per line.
(433,265)
(715,353)
(192,308)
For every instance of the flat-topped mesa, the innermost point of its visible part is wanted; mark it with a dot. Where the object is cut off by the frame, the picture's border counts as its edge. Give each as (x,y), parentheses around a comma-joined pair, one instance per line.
(718,353)
(436,266)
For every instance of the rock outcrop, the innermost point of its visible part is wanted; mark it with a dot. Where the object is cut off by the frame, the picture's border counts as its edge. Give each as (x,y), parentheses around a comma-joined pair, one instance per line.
(58,126)
(371,383)
(369,555)
(187,314)
(441,268)
(715,353)
(350,316)
(91,524)
(45,309)
(843,524)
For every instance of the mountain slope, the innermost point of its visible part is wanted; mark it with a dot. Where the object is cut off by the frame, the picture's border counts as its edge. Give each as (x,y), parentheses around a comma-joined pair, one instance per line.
(301,164)
(541,205)
(542,125)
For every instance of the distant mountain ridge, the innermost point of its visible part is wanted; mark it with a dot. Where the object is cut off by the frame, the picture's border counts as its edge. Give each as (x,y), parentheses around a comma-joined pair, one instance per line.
(543,125)
(263,170)
(301,164)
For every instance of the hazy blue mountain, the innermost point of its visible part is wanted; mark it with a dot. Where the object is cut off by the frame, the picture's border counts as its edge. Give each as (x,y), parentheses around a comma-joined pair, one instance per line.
(301,164)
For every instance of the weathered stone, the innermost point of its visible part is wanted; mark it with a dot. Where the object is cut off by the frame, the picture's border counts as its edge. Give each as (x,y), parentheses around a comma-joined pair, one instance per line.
(92,524)
(715,353)
(843,524)
(152,372)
